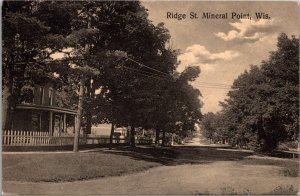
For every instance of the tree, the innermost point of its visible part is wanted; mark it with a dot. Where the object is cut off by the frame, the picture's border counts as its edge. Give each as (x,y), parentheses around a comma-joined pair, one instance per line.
(25,43)
(178,107)
(264,102)
(126,83)
(111,46)
(134,34)
(29,43)
(207,125)
(131,84)
(189,104)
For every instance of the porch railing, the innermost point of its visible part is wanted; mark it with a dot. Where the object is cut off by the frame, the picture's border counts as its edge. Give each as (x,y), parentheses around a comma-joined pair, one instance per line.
(34,138)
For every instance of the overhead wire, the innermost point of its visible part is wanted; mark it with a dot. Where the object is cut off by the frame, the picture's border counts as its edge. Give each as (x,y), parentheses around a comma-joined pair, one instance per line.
(143,65)
(154,74)
(150,76)
(144,73)
(214,84)
(205,84)
(158,75)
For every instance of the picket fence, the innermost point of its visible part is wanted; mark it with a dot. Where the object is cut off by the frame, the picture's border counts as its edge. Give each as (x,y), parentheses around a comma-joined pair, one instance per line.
(35,138)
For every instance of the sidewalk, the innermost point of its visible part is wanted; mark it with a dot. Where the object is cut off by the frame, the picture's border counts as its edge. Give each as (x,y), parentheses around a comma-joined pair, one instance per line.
(58,152)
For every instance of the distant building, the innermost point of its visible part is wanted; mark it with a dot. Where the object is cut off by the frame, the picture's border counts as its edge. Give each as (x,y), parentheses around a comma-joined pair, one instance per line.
(104,130)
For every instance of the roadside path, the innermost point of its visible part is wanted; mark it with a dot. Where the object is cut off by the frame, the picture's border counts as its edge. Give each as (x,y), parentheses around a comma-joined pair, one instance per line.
(218,177)
(56,152)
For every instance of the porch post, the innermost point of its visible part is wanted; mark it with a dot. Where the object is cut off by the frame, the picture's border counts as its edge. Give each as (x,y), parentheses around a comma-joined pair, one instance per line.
(60,124)
(51,122)
(65,123)
(75,122)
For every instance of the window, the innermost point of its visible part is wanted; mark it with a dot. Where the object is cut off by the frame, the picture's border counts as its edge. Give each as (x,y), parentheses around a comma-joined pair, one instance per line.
(36,122)
(50,96)
(27,96)
(42,95)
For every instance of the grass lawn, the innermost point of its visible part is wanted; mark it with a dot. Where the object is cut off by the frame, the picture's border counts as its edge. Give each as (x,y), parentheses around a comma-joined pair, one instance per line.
(68,166)
(58,167)
(290,166)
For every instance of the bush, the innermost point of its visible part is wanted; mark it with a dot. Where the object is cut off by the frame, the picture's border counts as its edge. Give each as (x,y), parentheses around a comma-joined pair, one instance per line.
(292,144)
(283,146)
(228,190)
(284,190)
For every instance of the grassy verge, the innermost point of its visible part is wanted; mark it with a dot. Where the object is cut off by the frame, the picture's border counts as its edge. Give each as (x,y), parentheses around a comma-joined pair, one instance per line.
(69,166)
(228,190)
(61,167)
(290,167)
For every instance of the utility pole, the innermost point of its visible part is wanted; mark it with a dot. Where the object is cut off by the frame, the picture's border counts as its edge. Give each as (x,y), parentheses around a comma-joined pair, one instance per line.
(79,114)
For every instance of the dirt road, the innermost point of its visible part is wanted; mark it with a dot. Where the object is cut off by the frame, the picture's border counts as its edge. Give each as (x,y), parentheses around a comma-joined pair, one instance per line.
(222,177)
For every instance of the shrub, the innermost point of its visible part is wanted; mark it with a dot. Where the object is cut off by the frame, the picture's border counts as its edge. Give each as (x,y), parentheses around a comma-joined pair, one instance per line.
(282,146)
(284,190)
(228,190)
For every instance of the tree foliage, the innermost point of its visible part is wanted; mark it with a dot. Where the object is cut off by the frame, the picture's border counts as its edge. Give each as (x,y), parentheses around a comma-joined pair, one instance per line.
(263,105)
(24,48)
(136,72)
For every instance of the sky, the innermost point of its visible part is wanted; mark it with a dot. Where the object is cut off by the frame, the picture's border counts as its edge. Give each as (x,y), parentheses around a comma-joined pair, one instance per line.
(223,48)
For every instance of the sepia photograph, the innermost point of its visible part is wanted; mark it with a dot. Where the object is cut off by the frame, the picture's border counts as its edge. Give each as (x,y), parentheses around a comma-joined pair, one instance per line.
(150,97)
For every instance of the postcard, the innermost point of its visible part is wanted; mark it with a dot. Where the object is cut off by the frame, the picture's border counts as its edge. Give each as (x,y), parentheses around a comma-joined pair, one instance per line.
(150,97)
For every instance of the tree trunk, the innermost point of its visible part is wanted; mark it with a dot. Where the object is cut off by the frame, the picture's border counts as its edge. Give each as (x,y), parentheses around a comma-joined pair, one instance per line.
(163,138)
(90,96)
(79,114)
(88,85)
(7,99)
(157,135)
(88,128)
(112,130)
(6,107)
(127,136)
(132,136)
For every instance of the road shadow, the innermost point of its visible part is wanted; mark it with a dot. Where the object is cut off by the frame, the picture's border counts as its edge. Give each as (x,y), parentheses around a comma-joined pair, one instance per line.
(177,155)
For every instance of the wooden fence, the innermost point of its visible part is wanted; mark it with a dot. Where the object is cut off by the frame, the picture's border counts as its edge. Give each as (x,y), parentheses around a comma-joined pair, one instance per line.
(34,138)
(145,141)
(96,139)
